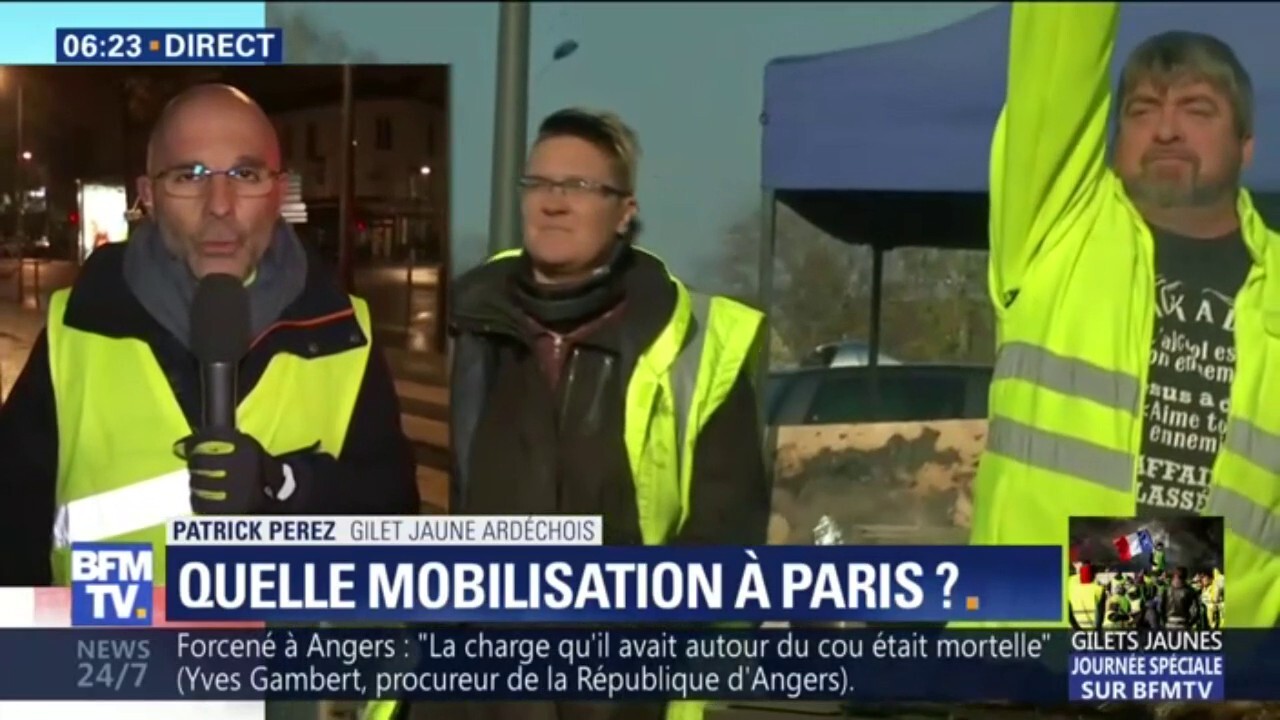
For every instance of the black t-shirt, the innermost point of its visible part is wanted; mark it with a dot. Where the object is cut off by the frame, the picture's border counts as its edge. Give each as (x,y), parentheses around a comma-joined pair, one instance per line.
(1192,364)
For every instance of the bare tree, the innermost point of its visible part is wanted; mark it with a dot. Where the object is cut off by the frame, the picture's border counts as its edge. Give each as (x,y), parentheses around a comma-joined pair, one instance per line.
(307,44)
(145,95)
(821,285)
(934,304)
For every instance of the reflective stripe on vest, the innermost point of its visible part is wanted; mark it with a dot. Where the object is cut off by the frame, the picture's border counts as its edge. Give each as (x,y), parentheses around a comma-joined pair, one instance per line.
(684,376)
(1055,452)
(1255,522)
(1245,517)
(1050,451)
(118,477)
(679,381)
(1110,468)
(1068,376)
(109,514)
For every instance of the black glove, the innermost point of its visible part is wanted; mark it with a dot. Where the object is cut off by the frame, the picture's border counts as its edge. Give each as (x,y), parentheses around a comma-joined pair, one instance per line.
(232,474)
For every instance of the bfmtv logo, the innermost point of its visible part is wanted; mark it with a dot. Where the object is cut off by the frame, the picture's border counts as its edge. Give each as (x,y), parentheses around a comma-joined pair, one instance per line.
(111,584)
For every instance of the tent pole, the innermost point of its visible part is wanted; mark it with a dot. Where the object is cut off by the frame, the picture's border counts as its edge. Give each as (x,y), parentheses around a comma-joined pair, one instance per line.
(877,293)
(764,278)
(877,299)
(764,299)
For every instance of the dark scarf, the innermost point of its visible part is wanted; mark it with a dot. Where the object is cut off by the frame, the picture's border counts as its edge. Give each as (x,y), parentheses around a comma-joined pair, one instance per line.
(165,286)
(563,307)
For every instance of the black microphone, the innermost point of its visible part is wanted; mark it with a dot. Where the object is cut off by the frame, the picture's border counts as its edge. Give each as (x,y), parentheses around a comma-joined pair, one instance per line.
(219,339)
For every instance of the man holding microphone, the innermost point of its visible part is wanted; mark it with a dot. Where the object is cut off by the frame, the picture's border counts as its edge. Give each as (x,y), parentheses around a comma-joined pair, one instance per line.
(102,437)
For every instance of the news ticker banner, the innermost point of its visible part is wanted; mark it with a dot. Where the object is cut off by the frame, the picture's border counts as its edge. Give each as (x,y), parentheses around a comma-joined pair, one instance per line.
(461,569)
(638,663)
(28,30)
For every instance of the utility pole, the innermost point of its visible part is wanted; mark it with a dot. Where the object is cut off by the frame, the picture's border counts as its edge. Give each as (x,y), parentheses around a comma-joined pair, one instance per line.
(19,191)
(441,223)
(410,224)
(19,161)
(346,182)
(510,122)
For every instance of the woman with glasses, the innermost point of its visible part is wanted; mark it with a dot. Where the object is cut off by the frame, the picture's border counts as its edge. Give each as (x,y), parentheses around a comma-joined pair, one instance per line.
(588,380)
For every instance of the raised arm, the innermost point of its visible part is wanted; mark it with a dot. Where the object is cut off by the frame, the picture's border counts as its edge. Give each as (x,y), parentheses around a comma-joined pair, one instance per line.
(1049,149)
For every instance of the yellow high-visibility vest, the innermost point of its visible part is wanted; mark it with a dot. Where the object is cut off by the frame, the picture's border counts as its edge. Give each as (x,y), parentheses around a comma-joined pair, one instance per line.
(1084,604)
(118,477)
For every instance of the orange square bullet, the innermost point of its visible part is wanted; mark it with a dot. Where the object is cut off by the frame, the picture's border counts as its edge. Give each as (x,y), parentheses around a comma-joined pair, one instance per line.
(971,603)
(155,45)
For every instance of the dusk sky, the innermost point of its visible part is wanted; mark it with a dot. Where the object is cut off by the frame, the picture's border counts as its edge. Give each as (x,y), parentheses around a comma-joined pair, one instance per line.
(687,76)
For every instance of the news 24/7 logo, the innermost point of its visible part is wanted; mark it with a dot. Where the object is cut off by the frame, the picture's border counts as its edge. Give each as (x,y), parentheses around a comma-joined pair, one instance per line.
(111,584)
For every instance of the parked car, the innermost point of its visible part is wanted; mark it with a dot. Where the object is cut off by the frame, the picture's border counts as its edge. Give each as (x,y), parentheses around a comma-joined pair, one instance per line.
(864,394)
(844,353)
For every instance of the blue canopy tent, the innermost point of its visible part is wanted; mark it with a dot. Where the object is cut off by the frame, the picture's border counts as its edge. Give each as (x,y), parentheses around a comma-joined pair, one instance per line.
(887,144)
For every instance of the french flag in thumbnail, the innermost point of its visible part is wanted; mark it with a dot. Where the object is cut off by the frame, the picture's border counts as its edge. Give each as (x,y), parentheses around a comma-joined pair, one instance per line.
(1134,544)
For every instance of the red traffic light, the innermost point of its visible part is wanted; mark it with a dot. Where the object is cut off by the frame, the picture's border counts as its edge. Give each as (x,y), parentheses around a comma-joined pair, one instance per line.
(73,218)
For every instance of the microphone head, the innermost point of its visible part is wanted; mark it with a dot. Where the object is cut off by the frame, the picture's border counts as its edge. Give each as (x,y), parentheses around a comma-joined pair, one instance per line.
(220,319)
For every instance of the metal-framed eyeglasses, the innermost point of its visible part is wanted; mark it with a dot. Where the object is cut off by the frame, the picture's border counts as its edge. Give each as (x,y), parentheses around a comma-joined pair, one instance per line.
(193,181)
(576,187)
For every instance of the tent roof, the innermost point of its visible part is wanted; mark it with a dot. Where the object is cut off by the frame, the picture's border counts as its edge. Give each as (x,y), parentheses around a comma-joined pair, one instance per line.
(888,143)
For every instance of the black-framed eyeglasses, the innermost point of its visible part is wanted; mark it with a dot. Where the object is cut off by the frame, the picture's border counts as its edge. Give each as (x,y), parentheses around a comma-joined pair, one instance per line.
(570,186)
(193,180)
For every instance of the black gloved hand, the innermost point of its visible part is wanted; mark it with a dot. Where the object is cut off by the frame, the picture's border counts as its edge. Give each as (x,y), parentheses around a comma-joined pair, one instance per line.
(232,474)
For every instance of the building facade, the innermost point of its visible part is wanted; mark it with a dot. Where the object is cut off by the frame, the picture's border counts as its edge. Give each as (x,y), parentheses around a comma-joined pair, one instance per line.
(400,168)
(394,140)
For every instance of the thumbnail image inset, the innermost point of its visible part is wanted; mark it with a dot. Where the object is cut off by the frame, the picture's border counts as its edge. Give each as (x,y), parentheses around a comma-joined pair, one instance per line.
(1145,573)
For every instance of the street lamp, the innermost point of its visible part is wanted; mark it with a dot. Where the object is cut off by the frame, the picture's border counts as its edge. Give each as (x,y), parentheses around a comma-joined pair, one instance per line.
(411,223)
(12,78)
(562,51)
(26,155)
(415,189)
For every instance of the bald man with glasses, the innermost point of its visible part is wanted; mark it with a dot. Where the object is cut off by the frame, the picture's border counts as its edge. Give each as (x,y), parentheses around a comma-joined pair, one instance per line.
(101,440)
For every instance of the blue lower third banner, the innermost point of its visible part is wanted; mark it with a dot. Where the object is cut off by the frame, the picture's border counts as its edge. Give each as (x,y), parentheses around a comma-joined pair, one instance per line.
(374,584)
(506,663)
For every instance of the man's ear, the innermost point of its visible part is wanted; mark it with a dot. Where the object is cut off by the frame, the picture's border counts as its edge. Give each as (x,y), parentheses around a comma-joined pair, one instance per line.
(145,192)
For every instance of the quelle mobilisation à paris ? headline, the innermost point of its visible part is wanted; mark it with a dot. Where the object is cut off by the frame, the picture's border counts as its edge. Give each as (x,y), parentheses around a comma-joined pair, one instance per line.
(554,569)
